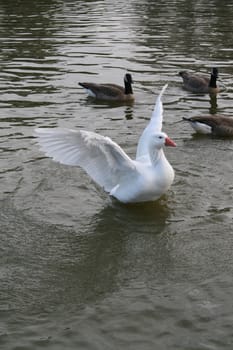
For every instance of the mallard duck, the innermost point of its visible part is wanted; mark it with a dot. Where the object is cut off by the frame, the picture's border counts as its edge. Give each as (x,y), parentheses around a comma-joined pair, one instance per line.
(200,83)
(111,92)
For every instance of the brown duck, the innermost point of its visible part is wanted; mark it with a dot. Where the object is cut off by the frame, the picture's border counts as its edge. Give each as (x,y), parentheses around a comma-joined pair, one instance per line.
(217,125)
(111,92)
(200,83)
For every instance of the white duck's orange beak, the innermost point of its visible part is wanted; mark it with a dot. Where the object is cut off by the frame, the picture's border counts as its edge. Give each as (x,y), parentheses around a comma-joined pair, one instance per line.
(169,142)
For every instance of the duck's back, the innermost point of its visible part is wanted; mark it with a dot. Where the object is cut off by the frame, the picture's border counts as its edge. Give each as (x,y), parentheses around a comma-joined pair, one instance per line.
(195,83)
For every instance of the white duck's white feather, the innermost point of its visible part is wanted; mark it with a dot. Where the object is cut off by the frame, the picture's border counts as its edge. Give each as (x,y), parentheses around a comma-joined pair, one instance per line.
(155,125)
(143,179)
(98,155)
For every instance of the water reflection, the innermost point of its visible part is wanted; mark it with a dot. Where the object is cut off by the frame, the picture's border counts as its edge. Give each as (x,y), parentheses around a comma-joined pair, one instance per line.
(186,31)
(75,269)
(213,104)
(28,29)
(128,218)
(111,252)
(28,52)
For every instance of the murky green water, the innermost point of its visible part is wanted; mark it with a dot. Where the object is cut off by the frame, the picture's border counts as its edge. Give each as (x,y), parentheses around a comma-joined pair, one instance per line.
(78,270)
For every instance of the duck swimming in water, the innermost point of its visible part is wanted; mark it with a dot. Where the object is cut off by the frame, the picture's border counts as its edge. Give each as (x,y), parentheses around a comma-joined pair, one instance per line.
(146,178)
(198,83)
(217,125)
(111,92)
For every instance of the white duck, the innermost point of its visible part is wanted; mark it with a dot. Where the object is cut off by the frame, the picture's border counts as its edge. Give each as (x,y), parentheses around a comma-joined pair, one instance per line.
(144,179)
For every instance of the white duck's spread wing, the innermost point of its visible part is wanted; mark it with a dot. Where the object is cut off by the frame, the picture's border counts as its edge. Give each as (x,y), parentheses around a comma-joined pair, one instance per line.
(105,161)
(155,125)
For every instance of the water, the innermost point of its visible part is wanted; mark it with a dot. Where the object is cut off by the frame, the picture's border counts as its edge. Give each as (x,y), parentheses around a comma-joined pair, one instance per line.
(79,270)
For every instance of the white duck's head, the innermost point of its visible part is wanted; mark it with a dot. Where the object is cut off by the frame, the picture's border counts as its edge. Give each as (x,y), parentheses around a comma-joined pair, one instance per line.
(156,144)
(160,139)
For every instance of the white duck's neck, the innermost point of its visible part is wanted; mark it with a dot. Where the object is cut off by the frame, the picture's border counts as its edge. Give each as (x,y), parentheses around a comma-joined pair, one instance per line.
(156,155)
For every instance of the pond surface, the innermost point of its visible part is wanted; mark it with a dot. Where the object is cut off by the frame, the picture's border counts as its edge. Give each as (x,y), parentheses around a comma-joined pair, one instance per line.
(78,269)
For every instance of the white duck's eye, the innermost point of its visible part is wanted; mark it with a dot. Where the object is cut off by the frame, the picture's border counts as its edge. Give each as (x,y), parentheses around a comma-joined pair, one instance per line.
(160,137)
